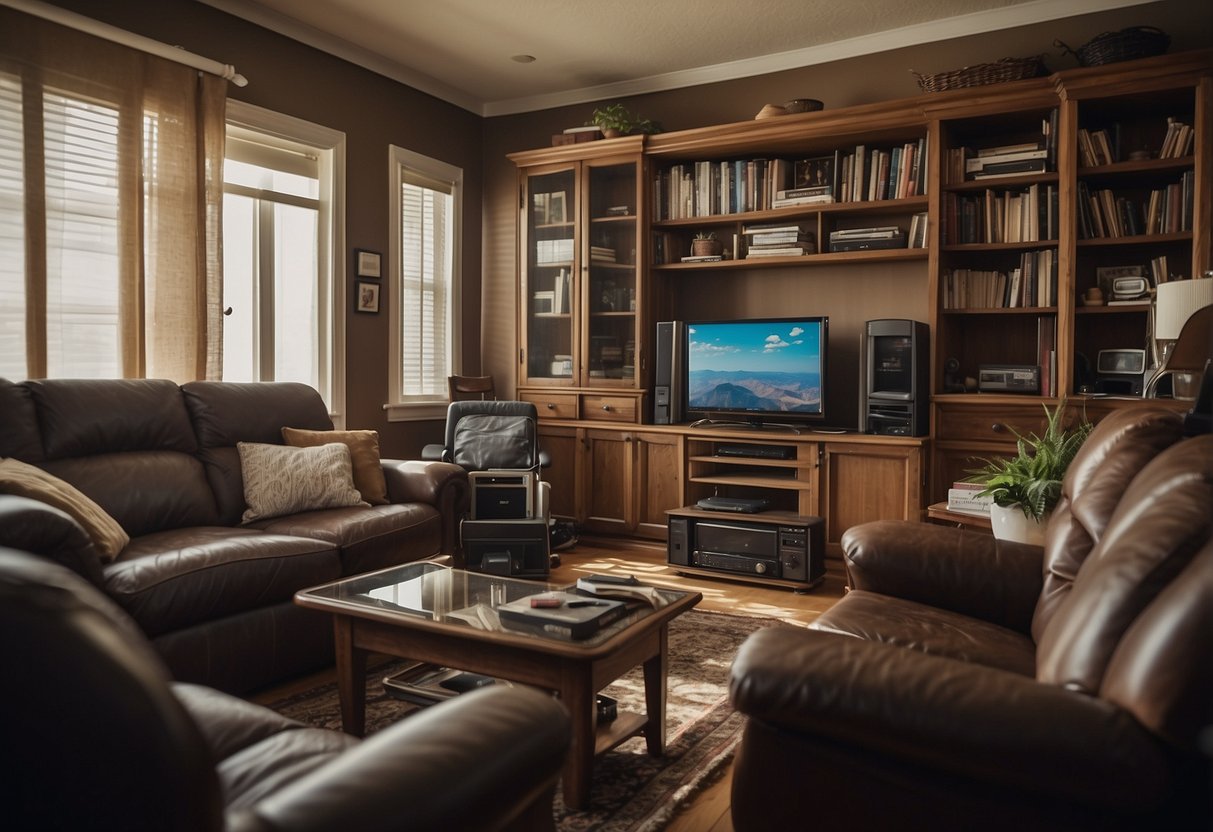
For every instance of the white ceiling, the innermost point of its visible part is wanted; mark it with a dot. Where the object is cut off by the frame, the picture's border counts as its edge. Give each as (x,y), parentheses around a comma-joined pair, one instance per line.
(586,50)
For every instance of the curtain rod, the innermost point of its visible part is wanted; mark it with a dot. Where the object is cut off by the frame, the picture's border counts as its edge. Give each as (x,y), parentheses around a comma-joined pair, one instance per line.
(112,33)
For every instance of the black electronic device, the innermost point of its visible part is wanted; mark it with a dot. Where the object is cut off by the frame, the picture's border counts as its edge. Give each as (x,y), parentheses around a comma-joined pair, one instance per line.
(1121,372)
(502,495)
(506,547)
(756,451)
(895,388)
(740,505)
(786,549)
(669,373)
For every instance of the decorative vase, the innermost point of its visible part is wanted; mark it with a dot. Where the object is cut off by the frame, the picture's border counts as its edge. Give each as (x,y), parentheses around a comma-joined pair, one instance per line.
(706,248)
(611,133)
(1010,523)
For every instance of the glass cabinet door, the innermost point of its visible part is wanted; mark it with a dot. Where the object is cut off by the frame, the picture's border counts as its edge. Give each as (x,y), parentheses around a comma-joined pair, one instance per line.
(550,288)
(612,297)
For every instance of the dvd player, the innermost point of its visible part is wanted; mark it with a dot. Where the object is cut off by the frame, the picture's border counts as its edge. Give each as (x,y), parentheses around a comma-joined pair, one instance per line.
(741,505)
(757,451)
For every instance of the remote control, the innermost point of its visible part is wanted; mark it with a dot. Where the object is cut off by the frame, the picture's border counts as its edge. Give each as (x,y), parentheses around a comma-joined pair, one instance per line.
(545,602)
(619,580)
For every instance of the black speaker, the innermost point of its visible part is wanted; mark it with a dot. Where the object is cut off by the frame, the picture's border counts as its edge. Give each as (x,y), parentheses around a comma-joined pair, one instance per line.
(678,545)
(896,384)
(668,395)
(506,547)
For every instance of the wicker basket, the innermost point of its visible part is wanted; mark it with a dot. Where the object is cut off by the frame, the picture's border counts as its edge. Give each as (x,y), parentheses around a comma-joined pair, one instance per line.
(1125,45)
(996,72)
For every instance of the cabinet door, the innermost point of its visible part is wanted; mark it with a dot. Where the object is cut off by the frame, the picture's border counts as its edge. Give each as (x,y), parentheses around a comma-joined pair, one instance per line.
(869,482)
(560,444)
(606,478)
(660,462)
(612,300)
(548,286)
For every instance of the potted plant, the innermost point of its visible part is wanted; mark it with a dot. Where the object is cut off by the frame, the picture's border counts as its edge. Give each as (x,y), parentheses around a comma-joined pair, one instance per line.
(614,120)
(1026,487)
(705,244)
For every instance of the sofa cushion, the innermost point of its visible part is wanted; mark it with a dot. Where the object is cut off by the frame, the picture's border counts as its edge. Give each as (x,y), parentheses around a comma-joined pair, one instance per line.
(25,480)
(80,417)
(224,413)
(1093,485)
(1157,528)
(178,578)
(939,632)
(279,479)
(19,434)
(364,456)
(371,538)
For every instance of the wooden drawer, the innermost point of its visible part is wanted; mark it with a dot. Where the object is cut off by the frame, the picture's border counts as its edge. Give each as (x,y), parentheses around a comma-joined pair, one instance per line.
(996,423)
(609,408)
(552,405)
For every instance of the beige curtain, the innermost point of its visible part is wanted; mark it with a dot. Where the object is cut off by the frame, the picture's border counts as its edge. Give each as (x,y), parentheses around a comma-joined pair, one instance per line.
(122,156)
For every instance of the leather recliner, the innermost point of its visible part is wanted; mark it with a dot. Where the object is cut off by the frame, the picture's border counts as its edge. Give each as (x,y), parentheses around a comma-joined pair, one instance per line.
(97,737)
(969,683)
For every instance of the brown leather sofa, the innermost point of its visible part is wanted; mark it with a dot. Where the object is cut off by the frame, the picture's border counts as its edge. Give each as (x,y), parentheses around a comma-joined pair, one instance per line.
(969,683)
(98,738)
(213,595)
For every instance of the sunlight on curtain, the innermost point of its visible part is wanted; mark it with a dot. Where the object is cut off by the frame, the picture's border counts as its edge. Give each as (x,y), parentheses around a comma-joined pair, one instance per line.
(110,209)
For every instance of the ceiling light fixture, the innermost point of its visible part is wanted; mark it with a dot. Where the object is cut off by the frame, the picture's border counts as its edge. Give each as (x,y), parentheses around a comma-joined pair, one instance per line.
(523,59)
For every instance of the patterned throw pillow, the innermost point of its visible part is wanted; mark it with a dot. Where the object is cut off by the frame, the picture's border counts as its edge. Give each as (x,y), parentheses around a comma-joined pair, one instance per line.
(280,479)
(24,480)
(364,456)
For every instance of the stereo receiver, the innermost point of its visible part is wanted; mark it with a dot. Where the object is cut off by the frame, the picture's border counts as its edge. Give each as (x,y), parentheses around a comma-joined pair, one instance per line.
(1008,378)
(770,547)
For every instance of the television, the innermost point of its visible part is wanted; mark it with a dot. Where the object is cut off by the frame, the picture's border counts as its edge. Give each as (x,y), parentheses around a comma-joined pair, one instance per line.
(761,371)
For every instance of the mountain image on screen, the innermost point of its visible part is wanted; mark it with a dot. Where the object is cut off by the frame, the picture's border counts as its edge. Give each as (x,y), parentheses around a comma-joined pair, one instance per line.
(754,390)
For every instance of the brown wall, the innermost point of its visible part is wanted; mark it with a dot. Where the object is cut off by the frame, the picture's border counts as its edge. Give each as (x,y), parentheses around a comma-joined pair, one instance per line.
(893,291)
(374,112)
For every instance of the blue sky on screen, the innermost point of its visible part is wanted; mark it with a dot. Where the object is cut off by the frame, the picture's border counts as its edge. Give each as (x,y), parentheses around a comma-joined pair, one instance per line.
(768,346)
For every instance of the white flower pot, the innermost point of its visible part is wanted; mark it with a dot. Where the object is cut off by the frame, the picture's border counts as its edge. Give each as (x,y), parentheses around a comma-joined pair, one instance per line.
(1010,523)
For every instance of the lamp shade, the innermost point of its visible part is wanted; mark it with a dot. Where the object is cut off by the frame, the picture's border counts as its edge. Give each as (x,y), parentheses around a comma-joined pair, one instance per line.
(1176,301)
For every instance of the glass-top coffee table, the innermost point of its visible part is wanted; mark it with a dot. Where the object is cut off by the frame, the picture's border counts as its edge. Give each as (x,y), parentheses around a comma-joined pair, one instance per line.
(431,613)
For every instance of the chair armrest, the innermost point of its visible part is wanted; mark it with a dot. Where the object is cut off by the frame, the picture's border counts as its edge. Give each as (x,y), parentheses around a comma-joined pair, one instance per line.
(931,713)
(442,485)
(961,570)
(433,452)
(41,529)
(476,762)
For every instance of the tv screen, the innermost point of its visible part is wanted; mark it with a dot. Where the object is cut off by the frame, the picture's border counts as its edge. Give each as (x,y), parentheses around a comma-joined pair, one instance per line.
(771,367)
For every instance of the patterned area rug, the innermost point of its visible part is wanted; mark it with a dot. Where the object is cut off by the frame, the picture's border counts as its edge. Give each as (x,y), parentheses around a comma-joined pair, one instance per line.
(632,792)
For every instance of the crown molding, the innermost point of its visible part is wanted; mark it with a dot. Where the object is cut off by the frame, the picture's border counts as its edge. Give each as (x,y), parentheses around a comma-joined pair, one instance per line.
(973,23)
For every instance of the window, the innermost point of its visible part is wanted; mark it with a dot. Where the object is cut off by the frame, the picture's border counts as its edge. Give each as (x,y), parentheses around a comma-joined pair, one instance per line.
(283,271)
(426,209)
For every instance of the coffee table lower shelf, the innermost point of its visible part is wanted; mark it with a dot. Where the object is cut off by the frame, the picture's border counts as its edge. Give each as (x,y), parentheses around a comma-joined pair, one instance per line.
(619,730)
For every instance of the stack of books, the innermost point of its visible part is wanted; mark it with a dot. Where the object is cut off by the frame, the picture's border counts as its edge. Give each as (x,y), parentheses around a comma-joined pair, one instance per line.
(778,240)
(1007,160)
(867,239)
(802,196)
(602,254)
(962,497)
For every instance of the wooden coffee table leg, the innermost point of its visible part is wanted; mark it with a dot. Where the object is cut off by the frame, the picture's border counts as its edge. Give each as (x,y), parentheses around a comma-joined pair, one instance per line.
(351,678)
(577,694)
(654,698)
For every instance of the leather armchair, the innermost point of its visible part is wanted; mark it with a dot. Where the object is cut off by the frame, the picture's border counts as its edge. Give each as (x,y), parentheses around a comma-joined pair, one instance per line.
(99,738)
(970,683)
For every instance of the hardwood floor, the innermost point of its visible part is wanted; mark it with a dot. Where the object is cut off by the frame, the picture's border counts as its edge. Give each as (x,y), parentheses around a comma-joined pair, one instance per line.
(709,810)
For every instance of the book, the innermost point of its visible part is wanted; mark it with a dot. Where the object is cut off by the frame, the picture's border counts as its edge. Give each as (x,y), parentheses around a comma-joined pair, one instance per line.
(978,163)
(703,258)
(576,617)
(1003,149)
(622,589)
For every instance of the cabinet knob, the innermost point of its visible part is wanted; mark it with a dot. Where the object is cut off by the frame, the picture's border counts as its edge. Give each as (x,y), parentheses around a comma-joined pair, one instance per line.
(998,427)
(550,406)
(606,407)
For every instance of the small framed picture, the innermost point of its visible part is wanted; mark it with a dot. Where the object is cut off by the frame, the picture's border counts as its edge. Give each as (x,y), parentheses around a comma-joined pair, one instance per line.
(366,297)
(812,173)
(367,263)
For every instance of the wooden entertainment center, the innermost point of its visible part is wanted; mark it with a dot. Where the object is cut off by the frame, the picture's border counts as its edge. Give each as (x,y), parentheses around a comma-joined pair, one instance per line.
(602,236)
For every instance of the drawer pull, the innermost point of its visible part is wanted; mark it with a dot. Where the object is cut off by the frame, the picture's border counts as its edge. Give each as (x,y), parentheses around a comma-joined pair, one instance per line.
(607,408)
(550,406)
(998,427)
